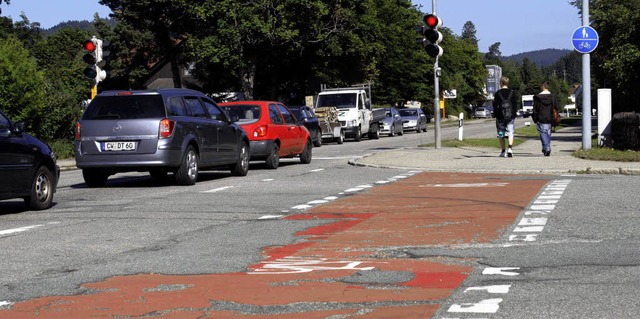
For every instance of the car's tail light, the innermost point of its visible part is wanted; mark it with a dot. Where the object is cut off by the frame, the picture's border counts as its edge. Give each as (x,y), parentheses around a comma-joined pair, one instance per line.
(261,131)
(78,131)
(166,128)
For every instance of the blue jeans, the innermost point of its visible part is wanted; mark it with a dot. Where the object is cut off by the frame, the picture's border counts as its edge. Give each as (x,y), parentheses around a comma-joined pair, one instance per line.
(545,136)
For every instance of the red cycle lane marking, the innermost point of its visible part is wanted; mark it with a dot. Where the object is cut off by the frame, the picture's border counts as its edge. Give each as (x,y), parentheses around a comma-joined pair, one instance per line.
(366,229)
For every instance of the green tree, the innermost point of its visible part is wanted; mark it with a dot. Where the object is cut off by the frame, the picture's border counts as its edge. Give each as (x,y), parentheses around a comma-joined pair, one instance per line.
(22,94)
(469,33)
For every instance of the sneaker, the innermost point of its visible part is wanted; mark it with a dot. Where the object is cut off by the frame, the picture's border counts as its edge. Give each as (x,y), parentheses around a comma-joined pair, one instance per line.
(509,153)
(547,153)
(503,154)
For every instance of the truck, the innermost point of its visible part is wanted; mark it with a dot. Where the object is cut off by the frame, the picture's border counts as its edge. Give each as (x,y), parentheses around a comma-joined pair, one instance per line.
(527,105)
(354,110)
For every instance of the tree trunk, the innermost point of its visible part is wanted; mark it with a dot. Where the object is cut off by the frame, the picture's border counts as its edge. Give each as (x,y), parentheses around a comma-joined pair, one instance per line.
(247,76)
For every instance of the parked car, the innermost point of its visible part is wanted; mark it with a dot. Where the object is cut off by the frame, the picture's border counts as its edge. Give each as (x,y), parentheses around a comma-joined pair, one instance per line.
(274,132)
(413,120)
(482,112)
(309,119)
(392,123)
(158,131)
(28,167)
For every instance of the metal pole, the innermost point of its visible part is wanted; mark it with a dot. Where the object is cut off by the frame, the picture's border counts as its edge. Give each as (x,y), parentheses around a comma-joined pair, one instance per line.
(586,86)
(436,100)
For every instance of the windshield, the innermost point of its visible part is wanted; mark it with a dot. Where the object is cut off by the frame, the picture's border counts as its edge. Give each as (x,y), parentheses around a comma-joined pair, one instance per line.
(342,101)
(408,112)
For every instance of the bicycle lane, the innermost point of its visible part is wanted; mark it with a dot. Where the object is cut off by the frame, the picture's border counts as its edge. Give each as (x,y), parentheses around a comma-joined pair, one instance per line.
(353,266)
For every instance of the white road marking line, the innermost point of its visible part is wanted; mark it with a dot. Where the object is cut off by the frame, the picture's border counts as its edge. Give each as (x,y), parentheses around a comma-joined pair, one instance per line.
(301,207)
(484,306)
(5,303)
(215,190)
(527,237)
(502,271)
(331,198)
(495,289)
(316,202)
(545,201)
(317,170)
(540,212)
(383,182)
(541,221)
(337,158)
(549,197)
(268,180)
(18,230)
(271,217)
(542,207)
(529,229)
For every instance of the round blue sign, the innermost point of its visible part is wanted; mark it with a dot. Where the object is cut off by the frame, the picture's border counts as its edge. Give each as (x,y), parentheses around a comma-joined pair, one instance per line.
(585,39)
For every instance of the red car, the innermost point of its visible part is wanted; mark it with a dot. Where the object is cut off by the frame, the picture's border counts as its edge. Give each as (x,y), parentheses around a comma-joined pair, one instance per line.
(274,132)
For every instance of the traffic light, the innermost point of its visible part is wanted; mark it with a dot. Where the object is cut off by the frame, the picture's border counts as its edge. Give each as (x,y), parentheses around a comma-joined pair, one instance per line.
(432,36)
(93,56)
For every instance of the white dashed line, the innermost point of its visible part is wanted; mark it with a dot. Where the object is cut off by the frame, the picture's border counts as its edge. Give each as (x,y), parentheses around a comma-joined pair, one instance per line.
(18,230)
(215,190)
(317,170)
(271,217)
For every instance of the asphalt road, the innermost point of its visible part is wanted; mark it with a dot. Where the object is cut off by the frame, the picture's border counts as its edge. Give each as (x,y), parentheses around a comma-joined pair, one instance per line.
(581,264)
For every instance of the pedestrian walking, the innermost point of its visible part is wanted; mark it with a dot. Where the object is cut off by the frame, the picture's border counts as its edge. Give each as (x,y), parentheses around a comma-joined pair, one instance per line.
(506,110)
(543,105)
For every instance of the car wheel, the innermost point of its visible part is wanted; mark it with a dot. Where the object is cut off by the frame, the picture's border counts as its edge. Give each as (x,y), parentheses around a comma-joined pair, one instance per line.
(340,139)
(94,177)
(392,131)
(318,141)
(41,194)
(241,168)
(375,134)
(418,130)
(401,131)
(187,173)
(305,157)
(358,136)
(273,160)
(425,128)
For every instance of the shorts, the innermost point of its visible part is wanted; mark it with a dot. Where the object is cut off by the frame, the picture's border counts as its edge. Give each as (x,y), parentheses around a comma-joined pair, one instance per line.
(505,129)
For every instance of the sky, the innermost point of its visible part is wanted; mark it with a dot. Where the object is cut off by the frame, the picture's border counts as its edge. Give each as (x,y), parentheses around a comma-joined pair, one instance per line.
(519,25)
(51,12)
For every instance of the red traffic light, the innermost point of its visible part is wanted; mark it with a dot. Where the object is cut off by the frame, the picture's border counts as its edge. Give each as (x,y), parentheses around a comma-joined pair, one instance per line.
(432,21)
(89,46)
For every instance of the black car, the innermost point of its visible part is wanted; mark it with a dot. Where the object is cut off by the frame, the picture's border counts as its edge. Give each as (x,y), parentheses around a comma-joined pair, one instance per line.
(28,167)
(310,120)
(160,131)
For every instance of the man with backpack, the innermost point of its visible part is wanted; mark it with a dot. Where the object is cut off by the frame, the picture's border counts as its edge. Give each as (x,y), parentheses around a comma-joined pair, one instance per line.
(506,110)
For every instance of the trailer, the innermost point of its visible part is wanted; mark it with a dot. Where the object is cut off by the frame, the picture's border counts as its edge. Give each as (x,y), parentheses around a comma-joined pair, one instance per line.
(329,124)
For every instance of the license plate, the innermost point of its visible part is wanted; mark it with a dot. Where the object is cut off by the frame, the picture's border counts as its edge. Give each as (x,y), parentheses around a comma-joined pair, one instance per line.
(119,146)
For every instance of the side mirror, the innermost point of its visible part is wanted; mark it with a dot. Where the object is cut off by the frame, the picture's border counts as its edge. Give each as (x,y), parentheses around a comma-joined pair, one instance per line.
(18,127)
(234,118)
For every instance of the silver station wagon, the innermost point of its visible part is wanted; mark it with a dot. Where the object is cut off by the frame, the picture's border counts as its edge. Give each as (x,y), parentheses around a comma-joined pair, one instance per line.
(163,131)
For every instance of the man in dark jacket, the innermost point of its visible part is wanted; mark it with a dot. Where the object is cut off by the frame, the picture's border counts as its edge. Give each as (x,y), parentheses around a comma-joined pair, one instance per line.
(506,110)
(543,105)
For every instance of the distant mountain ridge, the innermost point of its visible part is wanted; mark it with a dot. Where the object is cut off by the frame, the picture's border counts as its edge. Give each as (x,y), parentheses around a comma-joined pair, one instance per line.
(542,58)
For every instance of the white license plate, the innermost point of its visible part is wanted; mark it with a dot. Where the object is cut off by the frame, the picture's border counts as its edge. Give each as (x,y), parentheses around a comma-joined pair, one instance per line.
(119,146)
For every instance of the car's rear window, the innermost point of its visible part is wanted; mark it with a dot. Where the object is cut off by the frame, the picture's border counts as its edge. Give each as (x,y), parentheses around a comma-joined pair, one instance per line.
(125,107)
(244,112)
(408,112)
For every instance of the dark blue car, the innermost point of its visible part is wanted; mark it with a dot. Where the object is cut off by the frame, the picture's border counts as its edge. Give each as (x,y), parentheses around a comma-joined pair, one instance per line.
(28,167)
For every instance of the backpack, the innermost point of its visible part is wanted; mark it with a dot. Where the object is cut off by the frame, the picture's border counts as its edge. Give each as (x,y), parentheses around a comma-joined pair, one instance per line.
(506,109)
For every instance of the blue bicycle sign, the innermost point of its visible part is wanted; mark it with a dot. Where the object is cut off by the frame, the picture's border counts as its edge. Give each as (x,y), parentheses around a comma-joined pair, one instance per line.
(585,39)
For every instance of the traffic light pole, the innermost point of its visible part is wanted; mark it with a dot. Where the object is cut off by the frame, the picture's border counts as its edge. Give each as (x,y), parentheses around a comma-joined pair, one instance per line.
(436,88)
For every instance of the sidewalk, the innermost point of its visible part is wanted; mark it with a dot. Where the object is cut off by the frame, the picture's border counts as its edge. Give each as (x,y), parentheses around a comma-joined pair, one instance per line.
(527,158)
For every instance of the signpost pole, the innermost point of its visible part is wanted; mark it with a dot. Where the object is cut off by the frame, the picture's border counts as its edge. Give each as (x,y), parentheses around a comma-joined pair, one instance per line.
(586,86)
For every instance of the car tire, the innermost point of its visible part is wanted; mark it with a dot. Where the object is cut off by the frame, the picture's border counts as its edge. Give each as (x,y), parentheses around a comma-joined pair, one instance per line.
(241,167)
(418,130)
(392,131)
(187,173)
(375,134)
(340,139)
(94,177)
(41,195)
(273,159)
(318,141)
(425,128)
(305,157)
(401,131)
(358,136)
